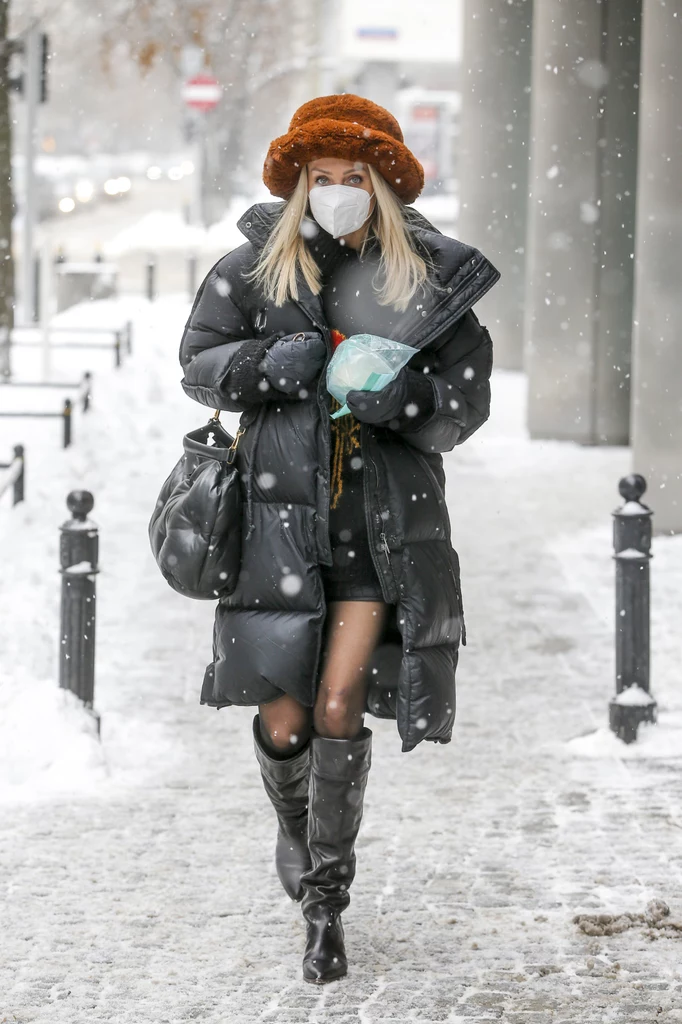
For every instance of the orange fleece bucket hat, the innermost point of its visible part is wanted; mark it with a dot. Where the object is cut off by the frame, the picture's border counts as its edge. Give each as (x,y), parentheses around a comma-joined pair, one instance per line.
(351,128)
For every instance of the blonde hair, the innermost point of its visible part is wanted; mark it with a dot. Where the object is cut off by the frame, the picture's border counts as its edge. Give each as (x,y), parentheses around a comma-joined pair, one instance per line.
(402,271)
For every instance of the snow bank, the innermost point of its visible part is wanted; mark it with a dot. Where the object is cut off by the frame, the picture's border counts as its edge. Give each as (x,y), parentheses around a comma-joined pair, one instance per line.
(49,743)
(124,447)
(156,231)
(160,231)
(660,741)
(587,563)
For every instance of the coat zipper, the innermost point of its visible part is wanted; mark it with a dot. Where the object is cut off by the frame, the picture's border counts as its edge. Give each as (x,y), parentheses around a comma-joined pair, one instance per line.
(381,575)
(321,404)
(440,498)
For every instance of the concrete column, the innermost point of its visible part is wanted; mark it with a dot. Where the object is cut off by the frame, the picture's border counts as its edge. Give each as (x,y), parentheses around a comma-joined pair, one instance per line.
(657,363)
(581,219)
(492,158)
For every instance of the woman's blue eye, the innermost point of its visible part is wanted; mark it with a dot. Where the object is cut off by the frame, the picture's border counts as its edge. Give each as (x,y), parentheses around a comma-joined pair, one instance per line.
(356,179)
(321,180)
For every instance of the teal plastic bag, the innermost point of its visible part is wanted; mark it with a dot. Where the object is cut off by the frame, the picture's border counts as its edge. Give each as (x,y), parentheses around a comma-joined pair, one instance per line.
(364,362)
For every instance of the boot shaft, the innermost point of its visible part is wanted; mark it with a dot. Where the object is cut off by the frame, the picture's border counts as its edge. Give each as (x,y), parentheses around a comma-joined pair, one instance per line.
(286,781)
(338,778)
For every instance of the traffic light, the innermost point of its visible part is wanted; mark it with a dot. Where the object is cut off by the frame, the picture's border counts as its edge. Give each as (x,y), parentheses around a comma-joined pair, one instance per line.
(18,82)
(44,57)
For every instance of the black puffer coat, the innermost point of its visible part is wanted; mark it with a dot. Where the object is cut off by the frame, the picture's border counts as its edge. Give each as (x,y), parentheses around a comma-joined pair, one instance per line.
(268,633)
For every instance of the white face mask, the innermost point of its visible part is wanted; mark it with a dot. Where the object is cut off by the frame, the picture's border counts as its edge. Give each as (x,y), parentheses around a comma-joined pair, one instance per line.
(339,209)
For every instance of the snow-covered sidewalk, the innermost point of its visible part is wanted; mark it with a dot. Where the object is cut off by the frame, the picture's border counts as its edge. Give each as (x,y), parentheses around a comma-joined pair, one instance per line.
(139,884)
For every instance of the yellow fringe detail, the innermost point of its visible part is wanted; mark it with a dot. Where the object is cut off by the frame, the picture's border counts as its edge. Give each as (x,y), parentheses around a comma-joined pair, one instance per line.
(345,435)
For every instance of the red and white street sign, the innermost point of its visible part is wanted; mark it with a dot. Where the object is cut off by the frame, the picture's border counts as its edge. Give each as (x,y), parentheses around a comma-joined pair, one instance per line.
(202,92)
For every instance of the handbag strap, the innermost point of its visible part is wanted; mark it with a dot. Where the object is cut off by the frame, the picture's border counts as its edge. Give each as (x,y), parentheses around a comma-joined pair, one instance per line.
(232,450)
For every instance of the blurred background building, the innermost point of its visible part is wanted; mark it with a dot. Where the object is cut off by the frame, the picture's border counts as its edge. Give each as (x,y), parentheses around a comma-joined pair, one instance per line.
(549,132)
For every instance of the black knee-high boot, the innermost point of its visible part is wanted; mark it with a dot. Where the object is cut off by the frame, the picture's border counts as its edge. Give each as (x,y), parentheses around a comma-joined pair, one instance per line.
(338,777)
(286,783)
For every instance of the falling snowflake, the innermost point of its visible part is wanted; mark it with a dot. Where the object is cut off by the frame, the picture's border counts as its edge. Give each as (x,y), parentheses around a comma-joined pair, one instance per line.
(589,213)
(290,584)
(308,228)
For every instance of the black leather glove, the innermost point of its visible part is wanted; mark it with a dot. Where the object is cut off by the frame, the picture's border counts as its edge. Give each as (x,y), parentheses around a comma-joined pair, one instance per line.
(294,361)
(405,404)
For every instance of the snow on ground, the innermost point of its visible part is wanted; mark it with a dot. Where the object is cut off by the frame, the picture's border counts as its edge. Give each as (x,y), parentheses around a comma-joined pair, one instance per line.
(128,434)
(139,884)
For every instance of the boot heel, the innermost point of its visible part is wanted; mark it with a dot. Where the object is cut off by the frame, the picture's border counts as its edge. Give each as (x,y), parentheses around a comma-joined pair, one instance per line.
(325,955)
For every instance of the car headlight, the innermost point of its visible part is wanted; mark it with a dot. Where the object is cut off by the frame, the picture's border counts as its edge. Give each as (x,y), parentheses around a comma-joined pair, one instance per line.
(84,191)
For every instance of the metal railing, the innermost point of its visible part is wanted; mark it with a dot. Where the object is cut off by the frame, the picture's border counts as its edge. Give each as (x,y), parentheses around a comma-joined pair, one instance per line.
(14,475)
(122,339)
(83,396)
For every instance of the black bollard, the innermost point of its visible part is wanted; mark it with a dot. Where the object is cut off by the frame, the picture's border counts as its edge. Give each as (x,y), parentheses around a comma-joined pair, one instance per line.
(66,419)
(633,703)
(151,278)
(78,553)
(20,481)
(87,390)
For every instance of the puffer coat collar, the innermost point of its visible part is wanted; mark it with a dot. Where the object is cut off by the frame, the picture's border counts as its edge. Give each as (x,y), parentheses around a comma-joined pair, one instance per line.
(462,274)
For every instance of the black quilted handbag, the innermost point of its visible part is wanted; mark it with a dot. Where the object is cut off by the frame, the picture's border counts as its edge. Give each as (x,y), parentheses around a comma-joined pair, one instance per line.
(195,529)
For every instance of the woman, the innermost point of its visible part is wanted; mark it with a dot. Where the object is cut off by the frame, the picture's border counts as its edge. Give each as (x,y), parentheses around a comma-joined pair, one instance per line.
(349,595)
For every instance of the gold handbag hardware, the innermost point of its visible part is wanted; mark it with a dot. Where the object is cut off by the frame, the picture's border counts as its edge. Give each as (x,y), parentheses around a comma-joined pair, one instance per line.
(232,450)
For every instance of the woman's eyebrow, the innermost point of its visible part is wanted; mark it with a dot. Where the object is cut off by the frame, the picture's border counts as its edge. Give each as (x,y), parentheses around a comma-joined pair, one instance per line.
(351,170)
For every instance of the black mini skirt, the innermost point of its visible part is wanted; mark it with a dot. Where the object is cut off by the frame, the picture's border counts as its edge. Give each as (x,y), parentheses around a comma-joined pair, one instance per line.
(352,577)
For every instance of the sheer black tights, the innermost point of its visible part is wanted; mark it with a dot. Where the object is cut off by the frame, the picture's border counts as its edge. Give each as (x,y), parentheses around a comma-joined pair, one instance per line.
(352,631)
